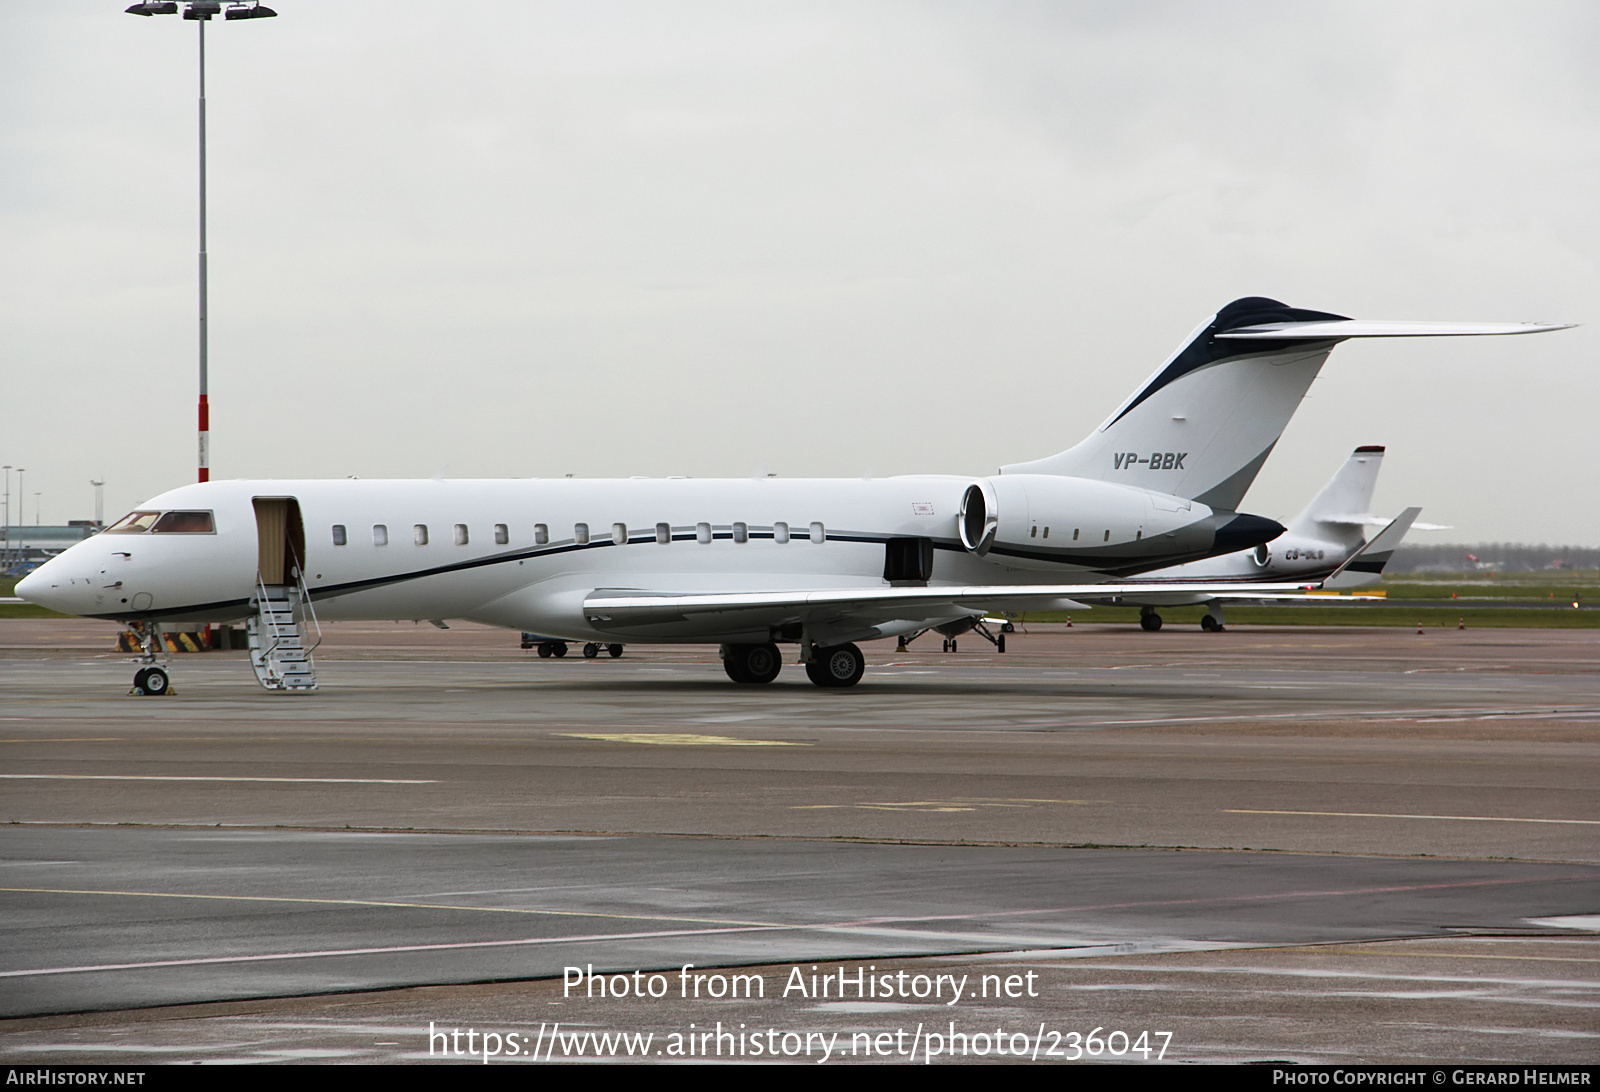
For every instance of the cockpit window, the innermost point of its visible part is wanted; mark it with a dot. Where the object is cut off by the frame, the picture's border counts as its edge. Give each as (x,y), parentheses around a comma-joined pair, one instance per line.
(185,523)
(134,523)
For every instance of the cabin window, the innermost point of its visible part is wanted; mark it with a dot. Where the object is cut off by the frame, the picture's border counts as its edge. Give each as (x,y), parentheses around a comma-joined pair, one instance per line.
(619,534)
(541,534)
(419,534)
(1075,534)
(338,534)
(1138,536)
(580,533)
(1108,536)
(663,533)
(702,533)
(184,523)
(817,533)
(380,535)
(1033,532)
(741,532)
(780,532)
(502,534)
(134,523)
(1047,532)
(461,534)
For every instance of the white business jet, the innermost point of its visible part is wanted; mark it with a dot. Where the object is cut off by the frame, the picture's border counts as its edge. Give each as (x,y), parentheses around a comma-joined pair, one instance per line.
(744,563)
(1324,539)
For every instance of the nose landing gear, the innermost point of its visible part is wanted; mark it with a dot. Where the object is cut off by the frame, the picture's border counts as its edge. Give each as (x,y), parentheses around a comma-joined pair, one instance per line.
(153,679)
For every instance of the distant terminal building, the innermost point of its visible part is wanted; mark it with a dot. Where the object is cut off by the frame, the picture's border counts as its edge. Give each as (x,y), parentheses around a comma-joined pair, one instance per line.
(25,548)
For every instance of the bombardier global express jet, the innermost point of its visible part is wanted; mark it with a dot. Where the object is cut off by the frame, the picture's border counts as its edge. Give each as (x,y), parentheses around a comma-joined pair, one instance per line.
(747,564)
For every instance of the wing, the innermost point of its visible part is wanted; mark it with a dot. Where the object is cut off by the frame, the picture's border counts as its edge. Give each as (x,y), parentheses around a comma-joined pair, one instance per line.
(610,608)
(865,608)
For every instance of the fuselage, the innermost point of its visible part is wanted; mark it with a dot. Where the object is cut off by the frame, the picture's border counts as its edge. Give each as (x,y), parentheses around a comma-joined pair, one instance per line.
(524,553)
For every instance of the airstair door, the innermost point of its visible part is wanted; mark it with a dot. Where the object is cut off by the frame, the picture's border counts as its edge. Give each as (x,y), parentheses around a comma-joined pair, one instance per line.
(277,631)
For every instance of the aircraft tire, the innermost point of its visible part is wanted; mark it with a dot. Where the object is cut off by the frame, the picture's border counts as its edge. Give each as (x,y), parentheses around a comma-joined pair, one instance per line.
(836,667)
(155,681)
(754,663)
(730,664)
(139,677)
(1000,643)
(1150,622)
(615,650)
(1210,624)
(591,650)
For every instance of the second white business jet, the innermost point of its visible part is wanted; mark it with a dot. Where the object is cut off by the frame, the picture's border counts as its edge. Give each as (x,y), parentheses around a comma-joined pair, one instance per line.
(1318,543)
(744,563)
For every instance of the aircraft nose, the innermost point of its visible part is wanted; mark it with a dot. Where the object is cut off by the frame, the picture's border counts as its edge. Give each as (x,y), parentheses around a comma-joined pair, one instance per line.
(47,586)
(32,586)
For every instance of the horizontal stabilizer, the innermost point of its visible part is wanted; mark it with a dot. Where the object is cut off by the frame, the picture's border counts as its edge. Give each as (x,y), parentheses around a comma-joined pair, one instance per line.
(1370,520)
(1339,329)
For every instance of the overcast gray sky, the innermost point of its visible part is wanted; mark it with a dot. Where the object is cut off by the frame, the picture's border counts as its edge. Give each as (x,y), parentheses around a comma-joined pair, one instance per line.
(531,239)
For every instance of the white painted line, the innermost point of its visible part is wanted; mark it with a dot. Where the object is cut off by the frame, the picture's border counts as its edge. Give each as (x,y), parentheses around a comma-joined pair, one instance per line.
(143,777)
(679,739)
(457,946)
(1385,815)
(1589,922)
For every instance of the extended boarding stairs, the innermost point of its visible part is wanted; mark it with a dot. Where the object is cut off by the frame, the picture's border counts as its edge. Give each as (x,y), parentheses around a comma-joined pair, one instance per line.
(278,649)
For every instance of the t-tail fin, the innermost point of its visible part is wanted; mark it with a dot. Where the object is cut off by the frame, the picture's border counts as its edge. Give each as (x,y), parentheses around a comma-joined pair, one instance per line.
(1205,422)
(1341,512)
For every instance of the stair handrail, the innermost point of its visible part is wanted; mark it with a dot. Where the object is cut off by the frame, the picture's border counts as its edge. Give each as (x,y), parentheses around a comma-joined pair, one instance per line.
(311,611)
(267,660)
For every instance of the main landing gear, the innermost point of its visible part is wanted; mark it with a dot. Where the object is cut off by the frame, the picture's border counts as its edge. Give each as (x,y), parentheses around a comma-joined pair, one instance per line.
(836,667)
(752,663)
(1149,620)
(591,650)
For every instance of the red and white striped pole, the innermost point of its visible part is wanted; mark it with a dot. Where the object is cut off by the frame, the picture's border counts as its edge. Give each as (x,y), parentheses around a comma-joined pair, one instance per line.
(205,407)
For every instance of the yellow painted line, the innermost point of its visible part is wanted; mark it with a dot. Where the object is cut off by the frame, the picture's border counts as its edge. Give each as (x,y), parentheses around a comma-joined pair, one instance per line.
(1385,815)
(391,905)
(67,739)
(140,777)
(679,739)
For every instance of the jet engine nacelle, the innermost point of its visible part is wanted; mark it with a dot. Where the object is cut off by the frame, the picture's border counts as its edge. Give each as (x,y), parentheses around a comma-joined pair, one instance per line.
(1045,520)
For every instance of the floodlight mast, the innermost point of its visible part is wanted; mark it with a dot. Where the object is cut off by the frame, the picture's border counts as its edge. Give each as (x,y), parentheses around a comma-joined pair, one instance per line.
(201,11)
